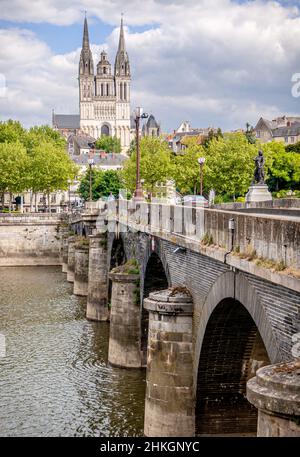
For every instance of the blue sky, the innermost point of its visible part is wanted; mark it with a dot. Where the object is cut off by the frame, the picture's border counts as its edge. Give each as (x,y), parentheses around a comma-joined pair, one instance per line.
(63,39)
(212,62)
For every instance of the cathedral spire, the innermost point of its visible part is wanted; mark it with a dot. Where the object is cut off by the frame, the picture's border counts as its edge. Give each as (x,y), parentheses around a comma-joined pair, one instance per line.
(122,67)
(86,65)
(121,38)
(85,40)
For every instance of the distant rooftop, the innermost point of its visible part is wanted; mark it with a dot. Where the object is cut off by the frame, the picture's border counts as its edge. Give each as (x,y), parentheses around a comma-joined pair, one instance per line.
(66,121)
(110,159)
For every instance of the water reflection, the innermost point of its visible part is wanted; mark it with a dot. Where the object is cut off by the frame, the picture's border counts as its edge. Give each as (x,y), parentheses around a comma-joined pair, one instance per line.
(55,380)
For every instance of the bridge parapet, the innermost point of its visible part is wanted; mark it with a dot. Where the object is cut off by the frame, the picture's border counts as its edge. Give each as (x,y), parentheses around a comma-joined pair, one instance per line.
(270,237)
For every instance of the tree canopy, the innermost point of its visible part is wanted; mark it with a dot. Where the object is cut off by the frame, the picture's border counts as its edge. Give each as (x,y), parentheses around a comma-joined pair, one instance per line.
(34,159)
(284,167)
(108,144)
(155,165)
(104,182)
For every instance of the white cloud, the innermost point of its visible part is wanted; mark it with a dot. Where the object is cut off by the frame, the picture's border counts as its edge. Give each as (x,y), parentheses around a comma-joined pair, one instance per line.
(213,62)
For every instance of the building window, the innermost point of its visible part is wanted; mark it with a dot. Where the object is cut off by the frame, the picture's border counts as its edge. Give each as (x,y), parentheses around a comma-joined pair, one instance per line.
(292,139)
(286,139)
(102,91)
(107,89)
(258,133)
(104,130)
(104,70)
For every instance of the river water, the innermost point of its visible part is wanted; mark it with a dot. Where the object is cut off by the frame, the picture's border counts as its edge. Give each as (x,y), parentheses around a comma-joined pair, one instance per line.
(55,380)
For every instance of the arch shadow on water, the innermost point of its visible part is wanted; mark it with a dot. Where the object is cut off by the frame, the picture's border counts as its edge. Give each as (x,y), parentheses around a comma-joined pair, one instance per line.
(231,352)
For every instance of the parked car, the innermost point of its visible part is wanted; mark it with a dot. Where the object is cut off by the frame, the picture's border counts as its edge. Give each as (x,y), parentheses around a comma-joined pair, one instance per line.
(195,200)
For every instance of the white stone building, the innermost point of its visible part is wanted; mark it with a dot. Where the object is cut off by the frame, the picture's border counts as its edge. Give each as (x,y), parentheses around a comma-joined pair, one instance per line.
(104,97)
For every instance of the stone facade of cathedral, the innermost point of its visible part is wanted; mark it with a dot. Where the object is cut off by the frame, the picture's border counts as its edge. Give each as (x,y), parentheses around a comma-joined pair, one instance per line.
(104,95)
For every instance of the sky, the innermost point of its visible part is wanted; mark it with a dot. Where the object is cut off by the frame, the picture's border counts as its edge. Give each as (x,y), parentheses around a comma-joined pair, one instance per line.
(218,63)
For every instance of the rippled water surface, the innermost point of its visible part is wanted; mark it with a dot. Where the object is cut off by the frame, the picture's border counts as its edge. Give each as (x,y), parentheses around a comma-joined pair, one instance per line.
(54,380)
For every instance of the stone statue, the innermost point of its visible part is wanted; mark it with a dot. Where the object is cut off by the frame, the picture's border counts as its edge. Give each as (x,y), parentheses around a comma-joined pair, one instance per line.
(259,174)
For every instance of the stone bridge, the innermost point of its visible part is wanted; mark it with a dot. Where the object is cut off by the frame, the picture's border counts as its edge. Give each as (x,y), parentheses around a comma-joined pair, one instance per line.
(202,298)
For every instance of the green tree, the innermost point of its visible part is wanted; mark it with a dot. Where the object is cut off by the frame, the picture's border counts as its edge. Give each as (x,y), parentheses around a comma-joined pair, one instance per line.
(13,165)
(212,135)
(186,168)
(229,165)
(250,134)
(108,144)
(43,133)
(293,147)
(103,183)
(49,169)
(155,165)
(11,131)
(283,167)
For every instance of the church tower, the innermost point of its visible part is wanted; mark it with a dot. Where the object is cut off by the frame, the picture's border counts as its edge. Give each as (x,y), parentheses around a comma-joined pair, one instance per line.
(122,84)
(86,77)
(104,98)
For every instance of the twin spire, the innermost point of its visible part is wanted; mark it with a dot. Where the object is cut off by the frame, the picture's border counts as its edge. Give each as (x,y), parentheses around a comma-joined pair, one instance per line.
(85,40)
(122,67)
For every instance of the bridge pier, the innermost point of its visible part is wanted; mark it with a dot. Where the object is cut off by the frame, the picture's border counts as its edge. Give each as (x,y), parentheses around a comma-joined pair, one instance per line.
(81,268)
(275,391)
(169,406)
(97,306)
(125,321)
(65,252)
(62,232)
(71,258)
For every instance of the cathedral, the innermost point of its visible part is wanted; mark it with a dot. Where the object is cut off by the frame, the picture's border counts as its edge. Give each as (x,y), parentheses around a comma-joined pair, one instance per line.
(104,96)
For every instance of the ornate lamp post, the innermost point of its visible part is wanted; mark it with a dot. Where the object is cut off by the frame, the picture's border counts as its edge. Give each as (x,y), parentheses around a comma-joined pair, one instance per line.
(138,193)
(91,162)
(201,161)
(69,194)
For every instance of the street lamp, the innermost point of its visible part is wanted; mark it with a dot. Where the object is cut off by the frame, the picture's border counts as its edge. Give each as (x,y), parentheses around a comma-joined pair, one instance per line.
(138,193)
(91,162)
(69,189)
(201,161)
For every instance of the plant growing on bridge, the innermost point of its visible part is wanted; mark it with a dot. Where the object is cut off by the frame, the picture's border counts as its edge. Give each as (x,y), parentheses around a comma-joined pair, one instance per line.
(207,239)
(131,267)
(81,242)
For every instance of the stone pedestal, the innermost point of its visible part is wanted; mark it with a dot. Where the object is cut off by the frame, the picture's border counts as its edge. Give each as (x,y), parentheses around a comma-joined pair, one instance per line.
(275,391)
(125,321)
(71,258)
(65,247)
(81,269)
(97,305)
(258,193)
(169,406)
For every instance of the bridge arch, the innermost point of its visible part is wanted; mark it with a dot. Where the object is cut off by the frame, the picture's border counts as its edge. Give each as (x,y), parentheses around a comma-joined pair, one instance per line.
(155,278)
(234,339)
